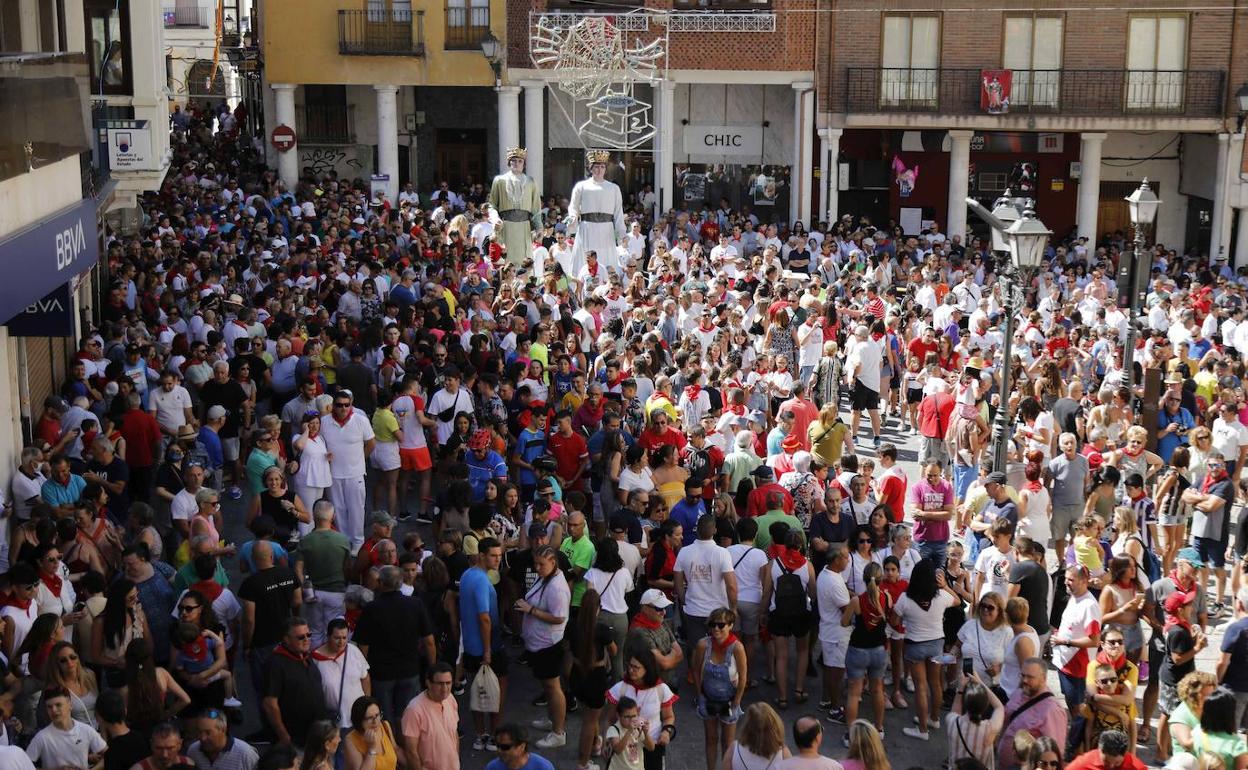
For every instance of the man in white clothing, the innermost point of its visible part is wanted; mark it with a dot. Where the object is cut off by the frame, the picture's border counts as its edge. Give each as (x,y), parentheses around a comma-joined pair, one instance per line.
(832,596)
(448,402)
(865,365)
(349,438)
(705,580)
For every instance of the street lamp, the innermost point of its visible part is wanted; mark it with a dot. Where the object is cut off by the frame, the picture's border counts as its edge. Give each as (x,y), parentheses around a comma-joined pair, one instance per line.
(1020,239)
(492,49)
(1144,204)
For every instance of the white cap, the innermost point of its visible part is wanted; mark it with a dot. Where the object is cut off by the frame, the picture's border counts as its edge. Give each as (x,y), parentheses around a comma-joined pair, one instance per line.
(656,598)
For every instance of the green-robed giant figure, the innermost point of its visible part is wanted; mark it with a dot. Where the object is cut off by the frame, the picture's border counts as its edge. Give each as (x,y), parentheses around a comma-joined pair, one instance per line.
(514,196)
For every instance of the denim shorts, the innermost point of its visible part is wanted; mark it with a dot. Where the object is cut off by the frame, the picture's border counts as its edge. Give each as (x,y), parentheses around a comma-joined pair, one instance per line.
(864,662)
(917,652)
(720,710)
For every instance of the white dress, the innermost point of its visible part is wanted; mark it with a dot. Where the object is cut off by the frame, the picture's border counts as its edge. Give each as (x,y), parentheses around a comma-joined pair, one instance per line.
(313,476)
(594,198)
(1035,524)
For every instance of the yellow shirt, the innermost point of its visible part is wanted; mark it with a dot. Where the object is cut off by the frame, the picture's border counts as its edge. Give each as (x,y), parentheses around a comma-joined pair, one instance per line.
(329,362)
(571,402)
(385,426)
(1088,553)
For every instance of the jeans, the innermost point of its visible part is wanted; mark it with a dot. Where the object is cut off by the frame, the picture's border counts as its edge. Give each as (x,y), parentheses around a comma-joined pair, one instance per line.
(257,663)
(934,551)
(804,374)
(394,695)
(963,475)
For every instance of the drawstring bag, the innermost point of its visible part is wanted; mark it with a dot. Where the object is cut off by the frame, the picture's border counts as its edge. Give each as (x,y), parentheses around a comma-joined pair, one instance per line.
(484,696)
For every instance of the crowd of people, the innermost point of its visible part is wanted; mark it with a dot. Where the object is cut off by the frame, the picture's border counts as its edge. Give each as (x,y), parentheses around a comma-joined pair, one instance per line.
(644,482)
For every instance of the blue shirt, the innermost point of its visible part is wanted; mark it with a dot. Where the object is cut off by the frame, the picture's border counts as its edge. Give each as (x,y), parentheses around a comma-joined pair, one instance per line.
(688,514)
(1235,641)
(212,445)
(1168,442)
(530,446)
(535,763)
(482,469)
(283,371)
(476,595)
(55,494)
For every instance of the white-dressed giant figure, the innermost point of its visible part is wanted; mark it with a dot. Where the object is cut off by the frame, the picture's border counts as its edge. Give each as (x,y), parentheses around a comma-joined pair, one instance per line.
(596,216)
(514,196)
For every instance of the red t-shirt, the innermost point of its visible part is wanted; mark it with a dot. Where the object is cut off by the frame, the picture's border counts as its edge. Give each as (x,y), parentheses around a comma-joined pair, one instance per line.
(1092,760)
(919,349)
(934,413)
(569,453)
(756,504)
(142,433)
(651,441)
(893,492)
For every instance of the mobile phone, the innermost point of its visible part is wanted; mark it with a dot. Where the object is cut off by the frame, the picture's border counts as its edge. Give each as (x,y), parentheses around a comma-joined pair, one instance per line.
(968,666)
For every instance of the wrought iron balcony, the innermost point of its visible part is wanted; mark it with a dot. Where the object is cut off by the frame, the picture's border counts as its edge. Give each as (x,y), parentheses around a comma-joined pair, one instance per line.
(1114,93)
(381,33)
(189,15)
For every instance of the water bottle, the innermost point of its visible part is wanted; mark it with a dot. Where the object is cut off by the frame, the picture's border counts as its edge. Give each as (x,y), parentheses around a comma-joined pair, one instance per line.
(309,591)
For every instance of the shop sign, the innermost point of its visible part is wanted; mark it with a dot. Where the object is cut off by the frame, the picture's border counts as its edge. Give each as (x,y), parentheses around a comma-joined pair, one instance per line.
(45,256)
(130,146)
(51,316)
(724,140)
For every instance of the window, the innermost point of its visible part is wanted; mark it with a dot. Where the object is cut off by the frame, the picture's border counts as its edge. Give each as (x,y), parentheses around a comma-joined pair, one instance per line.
(467,23)
(911,58)
(1033,51)
(1156,62)
(327,117)
(390,10)
(108,45)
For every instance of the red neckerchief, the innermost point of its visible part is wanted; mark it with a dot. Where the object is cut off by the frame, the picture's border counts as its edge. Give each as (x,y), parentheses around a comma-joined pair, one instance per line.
(53,582)
(1140,496)
(240,324)
(781,369)
(792,559)
(727,645)
(352,617)
(876,336)
(1178,582)
(706,328)
(286,652)
(641,621)
(1033,486)
(13,601)
(593,269)
(316,655)
(1129,453)
(737,409)
(1211,478)
(692,391)
(1119,663)
(343,422)
(210,589)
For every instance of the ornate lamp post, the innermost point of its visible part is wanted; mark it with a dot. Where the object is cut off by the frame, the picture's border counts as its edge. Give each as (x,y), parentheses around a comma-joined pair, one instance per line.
(1143,204)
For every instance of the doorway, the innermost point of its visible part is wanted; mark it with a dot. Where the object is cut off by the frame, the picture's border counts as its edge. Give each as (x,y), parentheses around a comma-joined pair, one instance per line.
(460,156)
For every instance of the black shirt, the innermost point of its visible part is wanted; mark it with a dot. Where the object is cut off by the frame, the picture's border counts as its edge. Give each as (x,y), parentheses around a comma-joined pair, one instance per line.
(272,591)
(229,395)
(358,378)
(297,686)
(393,627)
(126,751)
(1065,412)
(1033,585)
(116,471)
(1178,641)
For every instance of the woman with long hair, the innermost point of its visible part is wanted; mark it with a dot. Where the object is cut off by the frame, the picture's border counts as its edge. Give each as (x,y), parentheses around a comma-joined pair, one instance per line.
(661,560)
(867,615)
(788,611)
(1218,733)
(1122,597)
(719,670)
(921,610)
(984,638)
(592,654)
(1023,646)
(613,582)
(866,749)
(1035,506)
(760,741)
(1171,511)
(321,746)
(65,669)
(370,743)
(974,723)
(152,694)
(122,621)
(669,477)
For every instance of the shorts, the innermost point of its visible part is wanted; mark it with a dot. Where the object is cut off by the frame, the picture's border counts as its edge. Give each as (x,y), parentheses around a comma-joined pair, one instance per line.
(229,449)
(719,710)
(1064,516)
(499,663)
(385,456)
(780,625)
(415,459)
(1168,698)
(547,663)
(862,662)
(864,397)
(834,650)
(1132,635)
(591,689)
(934,450)
(1172,519)
(918,652)
(1156,655)
(1212,552)
(747,618)
(914,395)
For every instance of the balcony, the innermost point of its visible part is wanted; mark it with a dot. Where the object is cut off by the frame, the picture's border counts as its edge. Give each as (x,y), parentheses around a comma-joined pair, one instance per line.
(466,27)
(381,33)
(42,110)
(326,124)
(188,16)
(1096,93)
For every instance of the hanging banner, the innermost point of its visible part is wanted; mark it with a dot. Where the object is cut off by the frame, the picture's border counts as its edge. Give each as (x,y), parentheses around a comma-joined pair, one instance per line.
(994,93)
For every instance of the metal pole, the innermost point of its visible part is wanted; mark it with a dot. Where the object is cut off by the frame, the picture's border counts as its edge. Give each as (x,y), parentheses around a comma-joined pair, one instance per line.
(1128,354)
(1001,423)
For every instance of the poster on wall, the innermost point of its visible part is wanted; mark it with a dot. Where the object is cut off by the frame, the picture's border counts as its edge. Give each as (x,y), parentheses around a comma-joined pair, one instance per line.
(994,93)
(904,178)
(764,189)
(695,187)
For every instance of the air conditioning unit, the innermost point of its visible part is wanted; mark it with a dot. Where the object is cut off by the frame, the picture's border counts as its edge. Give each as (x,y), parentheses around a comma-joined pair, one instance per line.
(992,181)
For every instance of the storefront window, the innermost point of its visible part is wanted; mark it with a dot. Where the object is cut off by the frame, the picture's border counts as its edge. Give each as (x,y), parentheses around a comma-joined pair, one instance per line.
(763,189)
(108,45)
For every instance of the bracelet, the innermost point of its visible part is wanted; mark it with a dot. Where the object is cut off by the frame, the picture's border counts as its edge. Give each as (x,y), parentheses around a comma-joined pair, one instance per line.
(670,729)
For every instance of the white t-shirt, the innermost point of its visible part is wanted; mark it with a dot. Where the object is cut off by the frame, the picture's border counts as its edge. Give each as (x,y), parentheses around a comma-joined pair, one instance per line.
(995,567)
(870,355)
(554,597)
(346,444)
(405,408)
(611,587)
(13,758)
(54,747)
(984,648)
(924,625)
(169,407)
(1082,617)
(24,489)
(704,564)
(333,676)
(459,401)
(183,506)
(749,561)
(832,595)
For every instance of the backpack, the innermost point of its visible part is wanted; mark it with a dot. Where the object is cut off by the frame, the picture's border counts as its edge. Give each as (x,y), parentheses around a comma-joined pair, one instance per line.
(790,594)
(1151,565)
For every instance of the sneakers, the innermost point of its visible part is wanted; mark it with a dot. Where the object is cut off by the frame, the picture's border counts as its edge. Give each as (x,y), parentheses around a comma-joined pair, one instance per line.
(836,715)
(876,442)
(1217,608)
(932,723)
(460,688)
(232,703)
(541,724)
(909,684)
(424,517)
(540,702)
(234,492)
(404,515)
(483,743)
(553,741)
(916,733)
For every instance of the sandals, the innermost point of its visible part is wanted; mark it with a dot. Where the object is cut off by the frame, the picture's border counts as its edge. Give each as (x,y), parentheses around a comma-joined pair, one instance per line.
(782,703)
(800,696)
(899,701)
(769,679)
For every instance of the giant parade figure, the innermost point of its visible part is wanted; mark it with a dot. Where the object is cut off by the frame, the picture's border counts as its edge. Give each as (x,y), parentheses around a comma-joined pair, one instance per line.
(514,196)
(596,216)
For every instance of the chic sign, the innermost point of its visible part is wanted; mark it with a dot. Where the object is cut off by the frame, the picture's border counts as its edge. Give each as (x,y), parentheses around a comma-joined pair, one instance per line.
(724,140)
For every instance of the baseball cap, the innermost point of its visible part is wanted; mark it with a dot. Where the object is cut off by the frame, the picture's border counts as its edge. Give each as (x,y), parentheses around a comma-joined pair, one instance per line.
(1177,600)
(216,412)
(656,598)
(382,518)
(1191,556)
(996,477)
(762,471)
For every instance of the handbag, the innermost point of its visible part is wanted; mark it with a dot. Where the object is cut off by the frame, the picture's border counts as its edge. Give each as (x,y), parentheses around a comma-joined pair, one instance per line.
(484,697)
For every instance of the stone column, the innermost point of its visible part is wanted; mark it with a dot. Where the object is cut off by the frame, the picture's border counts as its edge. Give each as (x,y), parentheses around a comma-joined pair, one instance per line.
(388,138)
(284,114)
(1230,147)
(1089,184)
(665,136)
(508,122)
(800,171)
(959,182)
(28,11)
(831,141)
(808,155)
(1240,257)
(535,132)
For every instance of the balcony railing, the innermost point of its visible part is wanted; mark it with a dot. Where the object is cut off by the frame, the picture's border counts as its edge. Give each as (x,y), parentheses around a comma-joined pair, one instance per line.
(326,124)
(466,27)
(189,16)
(42,110)
(381,33)
(1183,93)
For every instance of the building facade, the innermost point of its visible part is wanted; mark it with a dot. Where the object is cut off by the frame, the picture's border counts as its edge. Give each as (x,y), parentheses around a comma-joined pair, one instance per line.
(920,109)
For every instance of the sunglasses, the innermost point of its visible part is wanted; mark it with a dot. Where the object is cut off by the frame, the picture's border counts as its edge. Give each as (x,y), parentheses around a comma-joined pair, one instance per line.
(1048,763)
(302,637)
(187,608)
(67,659)
(987,608)
(865,540)
(721,625)
(504,746)
(342,406)
(1114,642)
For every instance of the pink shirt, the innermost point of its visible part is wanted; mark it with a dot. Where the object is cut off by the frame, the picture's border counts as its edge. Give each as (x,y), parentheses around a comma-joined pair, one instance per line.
(433,725)
(931,497)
